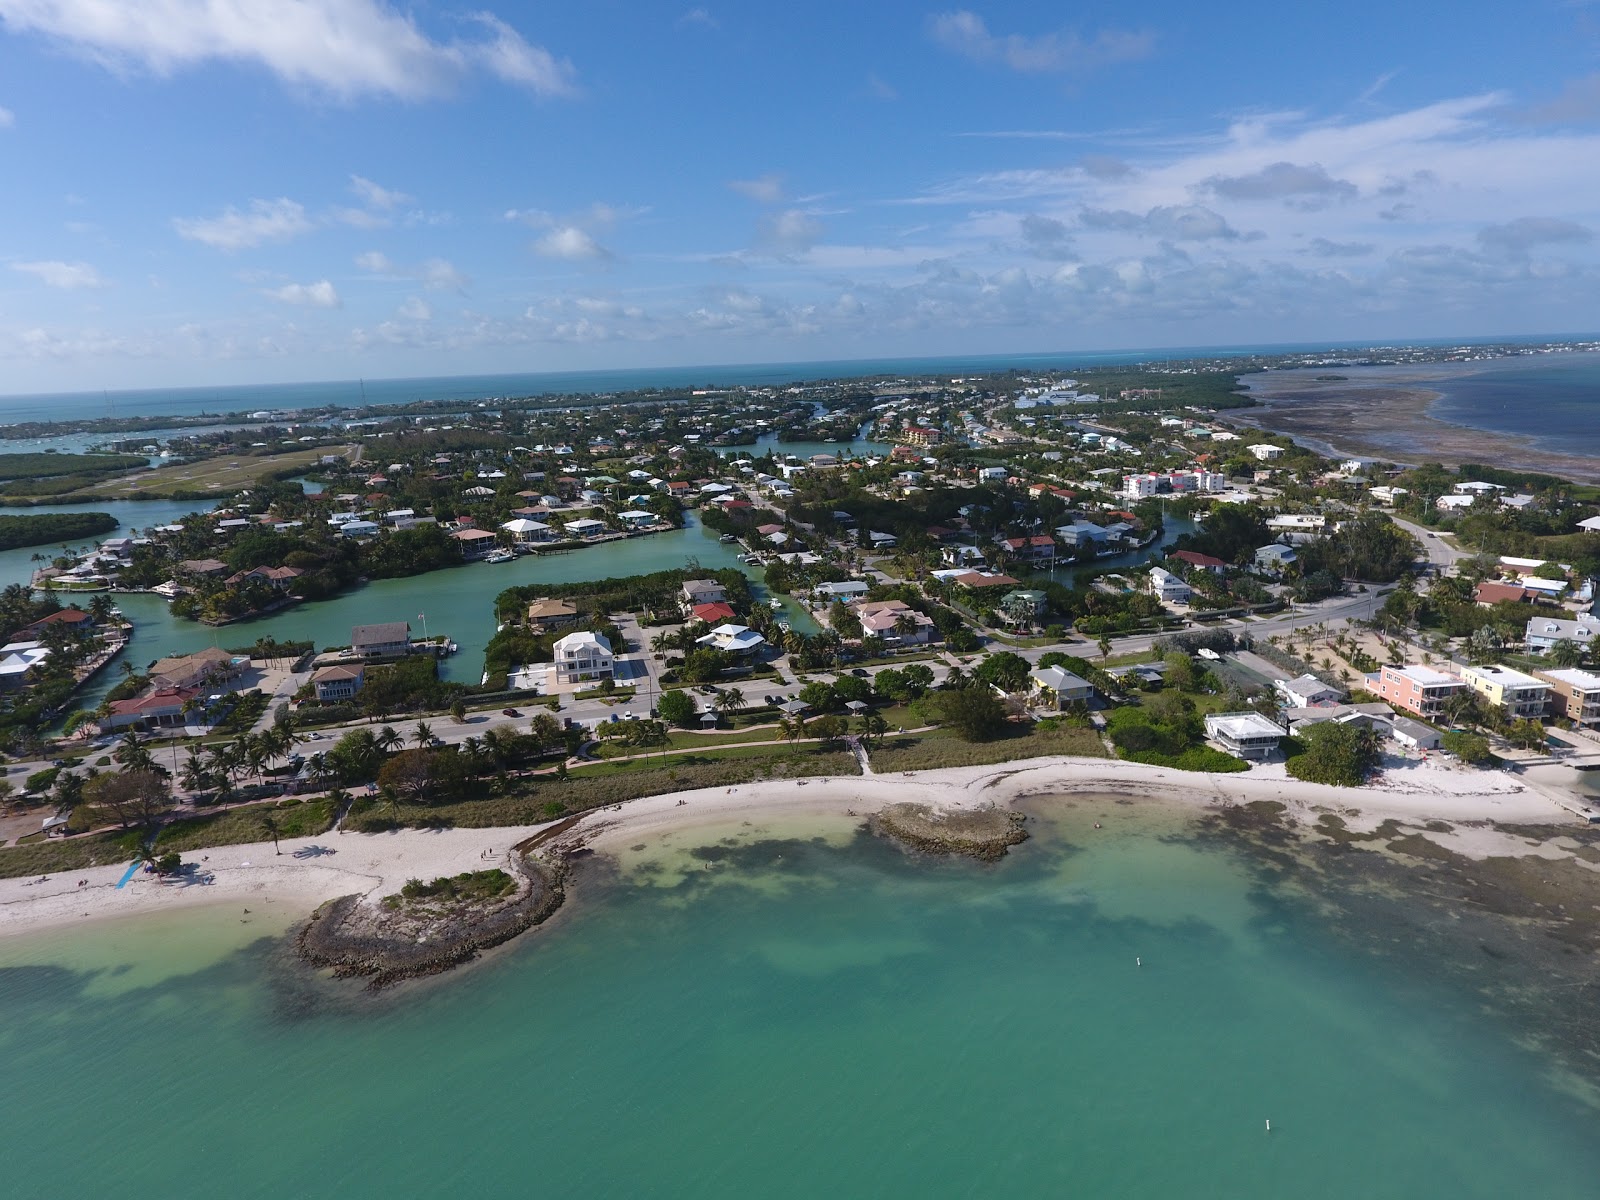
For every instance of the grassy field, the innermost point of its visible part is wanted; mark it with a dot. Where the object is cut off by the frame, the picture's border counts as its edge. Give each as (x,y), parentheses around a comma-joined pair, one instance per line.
(942,748)
(222,475)
(548,797)
(238,826)
(54,856)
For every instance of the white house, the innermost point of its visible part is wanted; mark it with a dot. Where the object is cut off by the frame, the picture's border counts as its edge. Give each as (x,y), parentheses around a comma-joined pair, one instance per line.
(583,656)
(1415,734)
(1167,587)
(1247,734)
(1057,687)
(733,639)
(1266,451)
(1307,691)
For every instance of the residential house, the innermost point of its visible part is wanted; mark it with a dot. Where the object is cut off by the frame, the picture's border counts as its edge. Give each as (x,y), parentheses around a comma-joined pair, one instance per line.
(1490,592)
(992,474)
(277,578)
(544,615)
(1204,561)
(527,531)
(1518,694)
(203,567)
(157,707)
(847,589)
(1039,548)
(733,639)
(1418,690)
(635,519)
(1083,533)
(585,527)
(880,542)
(1367,716)
(979,580)
(1246,734)
(1275,559)
(702,591)
(584,656)
(1056,687)
(1307,691)
(713,614)
(359,528)
(17,663)
(1266,451)
(475,543)
(332,684)
(1025,605)
(208,668)
(961,556)
(74,619)
(1544,632)
(1167,587)
(1575,695)
(389,639)
(1415,734)
(885,619)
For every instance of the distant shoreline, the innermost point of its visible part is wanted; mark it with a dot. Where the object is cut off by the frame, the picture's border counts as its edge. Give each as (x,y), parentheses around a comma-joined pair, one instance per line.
(1341,418)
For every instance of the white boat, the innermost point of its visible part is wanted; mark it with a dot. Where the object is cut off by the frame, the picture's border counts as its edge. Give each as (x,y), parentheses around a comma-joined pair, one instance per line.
(726,538)
(775,605)
(499,556)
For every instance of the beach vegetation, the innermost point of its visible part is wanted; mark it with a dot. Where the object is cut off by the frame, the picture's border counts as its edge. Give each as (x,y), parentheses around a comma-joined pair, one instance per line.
(469,887)
(1335,754)
(135,799)
(1470,748)
(975,714)
(52,529)
(1166,732)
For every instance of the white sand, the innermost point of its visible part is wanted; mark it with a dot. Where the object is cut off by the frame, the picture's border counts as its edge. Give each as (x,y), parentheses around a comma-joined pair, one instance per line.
(379,864)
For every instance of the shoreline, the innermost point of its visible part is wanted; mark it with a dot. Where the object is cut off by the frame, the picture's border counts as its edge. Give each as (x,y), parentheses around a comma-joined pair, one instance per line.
(1333,417)
(311,871)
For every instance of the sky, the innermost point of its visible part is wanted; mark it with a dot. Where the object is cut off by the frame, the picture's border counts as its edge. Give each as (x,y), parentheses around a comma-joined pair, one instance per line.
(201,192)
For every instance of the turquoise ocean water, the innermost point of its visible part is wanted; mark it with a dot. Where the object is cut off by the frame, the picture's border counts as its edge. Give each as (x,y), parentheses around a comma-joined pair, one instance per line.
(800,1018)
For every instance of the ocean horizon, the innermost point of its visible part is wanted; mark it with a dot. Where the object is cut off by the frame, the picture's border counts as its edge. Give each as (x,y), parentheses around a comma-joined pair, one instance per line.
(188,401)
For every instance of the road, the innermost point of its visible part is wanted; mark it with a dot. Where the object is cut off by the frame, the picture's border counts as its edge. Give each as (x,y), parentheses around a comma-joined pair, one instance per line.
(1441,552)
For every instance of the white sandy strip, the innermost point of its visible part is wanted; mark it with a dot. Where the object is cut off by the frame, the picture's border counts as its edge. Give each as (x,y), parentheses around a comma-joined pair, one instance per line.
(379,864)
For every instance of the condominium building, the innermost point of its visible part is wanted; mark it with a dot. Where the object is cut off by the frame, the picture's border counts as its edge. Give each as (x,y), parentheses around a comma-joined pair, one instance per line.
(1574,694)
(583,655)
(1519,694)
(1418,690)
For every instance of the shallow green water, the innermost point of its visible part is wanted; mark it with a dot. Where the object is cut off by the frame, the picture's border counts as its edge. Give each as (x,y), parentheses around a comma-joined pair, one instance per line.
(837,1020)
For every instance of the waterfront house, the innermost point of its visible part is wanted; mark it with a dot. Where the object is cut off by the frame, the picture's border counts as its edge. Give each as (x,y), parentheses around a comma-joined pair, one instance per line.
(202,567)
(1038,548)
(1246,734)
(1414,734)
(389,639)
(156,708)
(1490,592)
(1204,561)
(1418,690)
(358,529)
(584,656)
(1024,605)
(74,619)
(847,589)
(1518,694)
(1266,451)
(896,621)
(475,543)
(585,527)
(208,668)
(1167,587)
(1575,695)
(980,580)
(702,591)
(637,519)
(713,614)
(527,531)
(336,683)
(961,556)
(1056,688)
(544,615)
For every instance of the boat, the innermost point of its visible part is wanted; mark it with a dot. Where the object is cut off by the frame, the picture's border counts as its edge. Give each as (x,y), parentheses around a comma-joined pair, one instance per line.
(726,538)
(499,556)
(775,605)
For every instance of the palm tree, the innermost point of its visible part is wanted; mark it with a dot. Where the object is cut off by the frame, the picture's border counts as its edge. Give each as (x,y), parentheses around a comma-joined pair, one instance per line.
(133,755)
(1104,645)
(269,826)
(873,727)
(729,701)
(793,727)
(388,738)
(422,734)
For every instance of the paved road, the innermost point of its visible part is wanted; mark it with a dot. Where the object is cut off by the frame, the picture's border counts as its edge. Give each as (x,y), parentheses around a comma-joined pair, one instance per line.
(1441,552)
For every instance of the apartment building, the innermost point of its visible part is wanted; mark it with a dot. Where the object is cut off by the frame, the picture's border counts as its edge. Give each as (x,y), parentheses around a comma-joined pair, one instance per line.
(1519,694)
(1418,690)
(1574,694)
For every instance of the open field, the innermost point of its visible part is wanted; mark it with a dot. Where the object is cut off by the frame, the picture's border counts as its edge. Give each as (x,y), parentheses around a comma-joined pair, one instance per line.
(219,476)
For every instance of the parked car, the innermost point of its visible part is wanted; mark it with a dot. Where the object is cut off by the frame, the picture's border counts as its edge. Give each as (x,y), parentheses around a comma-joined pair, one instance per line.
(509,712)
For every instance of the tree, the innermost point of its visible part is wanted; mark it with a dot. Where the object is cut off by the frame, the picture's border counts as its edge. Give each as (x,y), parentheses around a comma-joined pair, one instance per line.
(1472,748)
(422,735)
(133,755)
(1340,755)
(408,774)
(975,713)
(830,728)
(873,728)
(389,738)
(269,826)
(1565,653)
(1484,644)
(545,730)
(1528,734)
(136,798)
(458,712)
(678,707)
(1006,670)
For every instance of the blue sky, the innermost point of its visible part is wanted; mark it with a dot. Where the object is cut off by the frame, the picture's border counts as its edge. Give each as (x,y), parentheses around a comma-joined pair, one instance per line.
(232,191)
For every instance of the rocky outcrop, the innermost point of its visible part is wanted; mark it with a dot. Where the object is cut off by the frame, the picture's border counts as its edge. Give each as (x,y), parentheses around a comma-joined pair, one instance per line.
(982,833)
(393,942)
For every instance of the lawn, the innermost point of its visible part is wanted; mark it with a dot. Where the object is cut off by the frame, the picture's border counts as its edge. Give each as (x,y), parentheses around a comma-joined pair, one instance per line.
(55,856)
(237,826)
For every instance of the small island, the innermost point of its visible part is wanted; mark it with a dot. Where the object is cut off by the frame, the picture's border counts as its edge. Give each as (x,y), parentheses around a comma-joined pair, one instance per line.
(981,833)
(428,928)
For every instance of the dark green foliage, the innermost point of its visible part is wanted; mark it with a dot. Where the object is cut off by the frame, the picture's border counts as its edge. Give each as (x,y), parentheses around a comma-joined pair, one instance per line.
(1340,755)
(49,529)
(1369,546)
(1468,747)
(975,713)
(468,886)
(678,708)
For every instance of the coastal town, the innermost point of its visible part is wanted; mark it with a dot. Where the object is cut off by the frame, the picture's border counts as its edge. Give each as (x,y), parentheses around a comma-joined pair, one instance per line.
(947,571)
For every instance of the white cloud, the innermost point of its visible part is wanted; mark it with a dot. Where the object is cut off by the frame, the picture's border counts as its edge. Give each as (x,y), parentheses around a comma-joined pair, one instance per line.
(67,276)
(1281,180)
(416,309)
(278,220)
(320,294)
(570,243)
(698,16)
(435,274)
(791,231)
(7,118)
(376,196)
(342,48)
(768,189)
(967,34)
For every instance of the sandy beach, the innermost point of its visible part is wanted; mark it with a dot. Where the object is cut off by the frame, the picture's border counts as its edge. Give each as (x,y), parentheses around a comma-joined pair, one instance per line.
(312,870)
